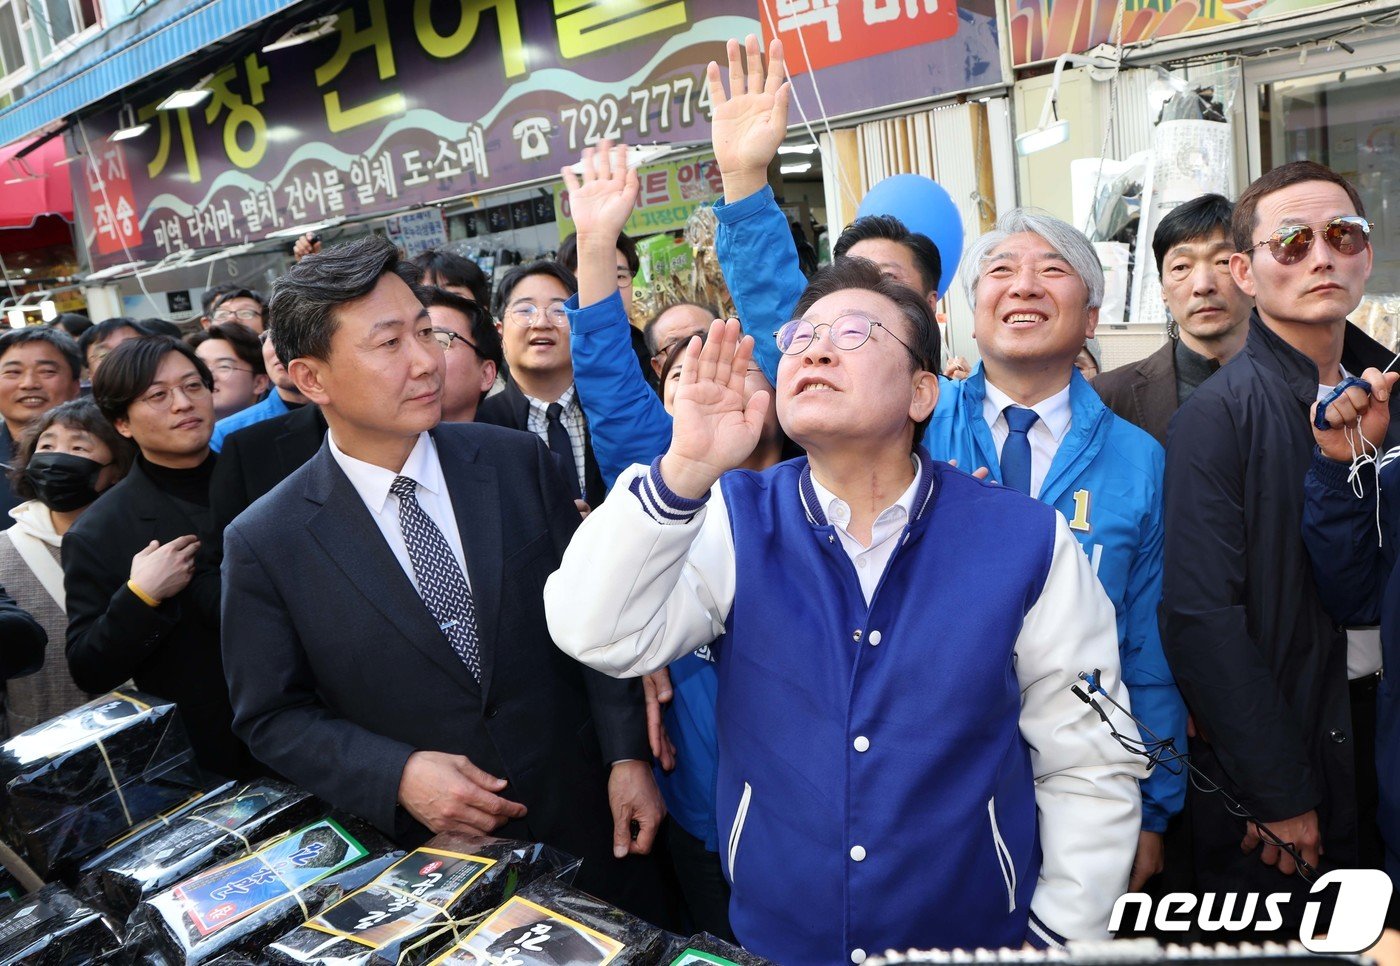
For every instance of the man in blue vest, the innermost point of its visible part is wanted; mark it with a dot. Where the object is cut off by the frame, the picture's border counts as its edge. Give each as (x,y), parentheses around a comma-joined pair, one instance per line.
(1068,450)
(902,761)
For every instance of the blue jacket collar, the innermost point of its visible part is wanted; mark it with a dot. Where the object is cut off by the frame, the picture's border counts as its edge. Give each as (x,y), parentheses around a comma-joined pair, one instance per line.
(1089,421)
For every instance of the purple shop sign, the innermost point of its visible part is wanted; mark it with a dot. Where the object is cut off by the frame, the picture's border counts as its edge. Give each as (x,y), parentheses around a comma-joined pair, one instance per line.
(412,102)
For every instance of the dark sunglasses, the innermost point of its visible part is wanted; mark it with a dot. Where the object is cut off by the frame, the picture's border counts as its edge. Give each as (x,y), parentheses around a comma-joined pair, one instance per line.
(1349,235)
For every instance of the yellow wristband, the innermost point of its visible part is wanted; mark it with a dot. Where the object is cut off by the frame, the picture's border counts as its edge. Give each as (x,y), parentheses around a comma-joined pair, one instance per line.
(144,597)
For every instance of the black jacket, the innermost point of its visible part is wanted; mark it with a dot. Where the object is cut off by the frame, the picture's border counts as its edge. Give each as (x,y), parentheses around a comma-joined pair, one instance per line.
(258,457)
(510,408)
(22,640)
(9,499)
(1260,662)
(172,650)
(338,672)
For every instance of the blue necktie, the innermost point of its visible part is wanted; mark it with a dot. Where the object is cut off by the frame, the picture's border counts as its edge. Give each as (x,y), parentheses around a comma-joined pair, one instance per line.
(441,583)
(1016,451)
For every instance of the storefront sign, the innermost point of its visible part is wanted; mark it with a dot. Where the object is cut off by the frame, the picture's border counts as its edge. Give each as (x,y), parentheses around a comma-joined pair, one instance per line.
(822,33)
(417,231)
(669,194)
(411,102)
(1045,29)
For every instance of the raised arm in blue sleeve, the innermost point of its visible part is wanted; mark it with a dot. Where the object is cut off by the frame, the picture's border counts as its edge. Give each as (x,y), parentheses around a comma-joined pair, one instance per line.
(626,421)
(1351,566)
(759,260)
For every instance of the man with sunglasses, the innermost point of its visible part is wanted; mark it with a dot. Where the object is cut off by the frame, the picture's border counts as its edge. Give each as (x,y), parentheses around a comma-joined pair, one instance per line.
(472,350)
(1264,669)
(895,643)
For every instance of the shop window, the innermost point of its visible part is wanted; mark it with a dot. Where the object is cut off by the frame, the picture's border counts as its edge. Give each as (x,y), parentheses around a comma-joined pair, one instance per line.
(54,25)
(12,61)
(1347,121)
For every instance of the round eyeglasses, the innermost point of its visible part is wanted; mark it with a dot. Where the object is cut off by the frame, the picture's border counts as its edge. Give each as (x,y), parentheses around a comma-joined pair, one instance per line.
(847,332)
(1349,235)
(525,315)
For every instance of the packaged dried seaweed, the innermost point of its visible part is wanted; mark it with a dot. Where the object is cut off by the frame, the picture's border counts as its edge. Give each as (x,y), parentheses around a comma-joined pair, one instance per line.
(53,928)
(80,780)
(232,820)
(420,903)
(549,923)
(243,904)
(706,950)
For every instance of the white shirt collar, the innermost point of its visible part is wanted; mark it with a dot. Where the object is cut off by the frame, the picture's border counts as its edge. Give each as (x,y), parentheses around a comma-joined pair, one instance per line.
(1054,412)
(838,512)
(373,482)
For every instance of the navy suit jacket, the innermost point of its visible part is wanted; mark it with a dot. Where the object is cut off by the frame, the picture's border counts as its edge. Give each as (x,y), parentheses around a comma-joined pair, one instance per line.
(338,672)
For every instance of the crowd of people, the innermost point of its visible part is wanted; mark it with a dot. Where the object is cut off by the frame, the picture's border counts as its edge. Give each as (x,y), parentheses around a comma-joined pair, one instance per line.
(793,629)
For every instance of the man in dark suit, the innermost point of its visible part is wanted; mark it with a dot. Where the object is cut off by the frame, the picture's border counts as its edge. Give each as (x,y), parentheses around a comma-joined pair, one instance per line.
(384,625)
(1209,317)
(540,395)
(258,457)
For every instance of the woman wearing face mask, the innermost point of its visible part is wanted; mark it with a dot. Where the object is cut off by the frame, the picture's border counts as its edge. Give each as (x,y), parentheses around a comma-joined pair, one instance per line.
(64,460)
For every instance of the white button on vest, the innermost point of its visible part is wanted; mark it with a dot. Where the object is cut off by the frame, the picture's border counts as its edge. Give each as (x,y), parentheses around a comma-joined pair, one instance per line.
(874,638)
(857,956)
(858,853)
(861,743)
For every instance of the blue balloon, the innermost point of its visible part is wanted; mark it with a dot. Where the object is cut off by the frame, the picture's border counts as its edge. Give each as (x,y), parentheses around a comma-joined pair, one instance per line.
(924,207)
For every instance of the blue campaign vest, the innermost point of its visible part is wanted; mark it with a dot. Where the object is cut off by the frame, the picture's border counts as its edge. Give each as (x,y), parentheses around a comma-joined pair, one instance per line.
(891,728)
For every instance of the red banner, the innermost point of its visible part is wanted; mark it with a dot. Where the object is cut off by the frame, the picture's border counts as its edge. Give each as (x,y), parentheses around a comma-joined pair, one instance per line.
(111,200)
(822,33)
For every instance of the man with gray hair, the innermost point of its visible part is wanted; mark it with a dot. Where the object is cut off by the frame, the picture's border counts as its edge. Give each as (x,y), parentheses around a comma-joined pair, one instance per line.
(1026,414)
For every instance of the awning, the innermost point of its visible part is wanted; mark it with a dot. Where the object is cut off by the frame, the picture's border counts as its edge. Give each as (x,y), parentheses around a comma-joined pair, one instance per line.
(34,185)
(176,30)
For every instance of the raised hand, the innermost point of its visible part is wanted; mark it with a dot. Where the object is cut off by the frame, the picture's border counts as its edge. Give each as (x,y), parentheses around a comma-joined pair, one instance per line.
(1355,410)
(749,123)
(714,429)
(603,199)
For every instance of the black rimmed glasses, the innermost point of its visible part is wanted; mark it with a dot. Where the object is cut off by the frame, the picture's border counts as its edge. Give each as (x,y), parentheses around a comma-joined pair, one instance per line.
(1349,235)
(846,332)
(445,338)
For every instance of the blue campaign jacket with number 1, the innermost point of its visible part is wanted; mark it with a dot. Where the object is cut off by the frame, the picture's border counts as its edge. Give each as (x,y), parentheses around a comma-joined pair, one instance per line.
(1106,479)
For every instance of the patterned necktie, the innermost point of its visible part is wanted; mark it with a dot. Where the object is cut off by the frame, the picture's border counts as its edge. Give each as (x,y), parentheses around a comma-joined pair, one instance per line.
(441,583)
(1016,451)
(562,446)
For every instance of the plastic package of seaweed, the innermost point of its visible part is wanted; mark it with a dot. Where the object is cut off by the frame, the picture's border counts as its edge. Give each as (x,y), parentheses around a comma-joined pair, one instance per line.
(704,949)
(549,923)
(232,820)
(53,928)
(80,780)
(421,903)
(241,905)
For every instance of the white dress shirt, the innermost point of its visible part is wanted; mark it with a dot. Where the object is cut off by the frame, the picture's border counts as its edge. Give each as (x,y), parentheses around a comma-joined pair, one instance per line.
(373,482)
(1045,436)
(870,562)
